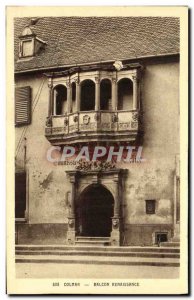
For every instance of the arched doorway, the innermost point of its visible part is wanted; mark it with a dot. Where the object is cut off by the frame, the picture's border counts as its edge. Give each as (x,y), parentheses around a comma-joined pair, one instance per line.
(94,212)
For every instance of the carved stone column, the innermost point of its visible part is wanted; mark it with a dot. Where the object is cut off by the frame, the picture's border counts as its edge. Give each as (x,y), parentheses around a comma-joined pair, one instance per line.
(71,218)
(97,94)
(78,94)
(116,222)
(50,86)
(114,94)
(69,97)
(54,102)
(135,92)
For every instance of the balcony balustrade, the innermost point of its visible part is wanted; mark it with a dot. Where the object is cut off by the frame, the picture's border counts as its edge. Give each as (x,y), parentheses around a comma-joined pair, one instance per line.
(93,126)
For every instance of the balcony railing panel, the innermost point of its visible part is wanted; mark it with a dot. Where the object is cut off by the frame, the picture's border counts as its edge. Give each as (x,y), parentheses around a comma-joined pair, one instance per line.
(94,123)
(87,121)
(109,121)
(73,124)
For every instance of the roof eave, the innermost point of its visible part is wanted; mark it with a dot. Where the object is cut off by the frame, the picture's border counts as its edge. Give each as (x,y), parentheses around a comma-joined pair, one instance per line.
(98,62)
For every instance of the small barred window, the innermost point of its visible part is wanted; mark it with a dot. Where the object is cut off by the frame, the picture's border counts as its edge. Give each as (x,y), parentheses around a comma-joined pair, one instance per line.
(150,206)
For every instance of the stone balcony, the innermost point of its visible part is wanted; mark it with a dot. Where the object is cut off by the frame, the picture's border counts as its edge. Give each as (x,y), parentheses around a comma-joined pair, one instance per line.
(100,105)
(93,126)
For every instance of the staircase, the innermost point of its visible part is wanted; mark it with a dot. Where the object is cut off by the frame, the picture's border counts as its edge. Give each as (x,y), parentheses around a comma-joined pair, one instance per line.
(88,251)
(92,241)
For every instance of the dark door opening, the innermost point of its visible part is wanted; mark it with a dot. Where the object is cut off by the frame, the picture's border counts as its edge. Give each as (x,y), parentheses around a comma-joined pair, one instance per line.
(94,212)
(20,195)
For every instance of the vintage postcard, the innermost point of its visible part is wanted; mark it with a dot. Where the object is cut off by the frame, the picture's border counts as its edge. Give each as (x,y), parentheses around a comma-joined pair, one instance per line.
(97,149)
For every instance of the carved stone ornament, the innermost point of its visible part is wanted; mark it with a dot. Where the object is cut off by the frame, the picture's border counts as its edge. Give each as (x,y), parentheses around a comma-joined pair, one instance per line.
(94,165)
(118,65)
(49,122)
(135,116)
(97,80)
(68,84)
(115,223)
(114,80)
(71,222)
(77,81)
(114,118)
(66,121)
(97,117)
(134,77)
(75,119)
(86,119)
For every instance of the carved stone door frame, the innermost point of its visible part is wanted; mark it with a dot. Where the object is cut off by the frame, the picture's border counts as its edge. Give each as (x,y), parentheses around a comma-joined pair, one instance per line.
(110,179)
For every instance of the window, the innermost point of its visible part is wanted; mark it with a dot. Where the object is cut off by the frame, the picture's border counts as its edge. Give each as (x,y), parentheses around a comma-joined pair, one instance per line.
(29,43)
(20,195)
(60,100)
(27,48)
(150,206)
(26,44)
(161,237)
(23,105)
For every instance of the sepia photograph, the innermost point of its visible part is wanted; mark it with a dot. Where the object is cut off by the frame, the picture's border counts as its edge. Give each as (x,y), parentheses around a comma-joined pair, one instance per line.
(96,102)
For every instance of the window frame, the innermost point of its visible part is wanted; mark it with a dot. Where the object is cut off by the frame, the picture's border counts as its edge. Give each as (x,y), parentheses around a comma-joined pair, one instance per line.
(26,39)
(22,48)
(153,210)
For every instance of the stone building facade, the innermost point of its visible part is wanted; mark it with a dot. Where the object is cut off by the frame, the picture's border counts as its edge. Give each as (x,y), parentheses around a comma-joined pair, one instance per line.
(97,82)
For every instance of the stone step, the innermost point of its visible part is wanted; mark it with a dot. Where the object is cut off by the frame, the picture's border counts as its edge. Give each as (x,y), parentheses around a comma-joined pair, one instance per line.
(92,238)
(98,248)
(130,261)
(97,253)
(100,240)
(170,244)
(96,241)
(89,243)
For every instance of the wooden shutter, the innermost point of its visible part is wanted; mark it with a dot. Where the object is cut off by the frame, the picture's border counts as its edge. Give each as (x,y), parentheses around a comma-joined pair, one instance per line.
(23,105)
